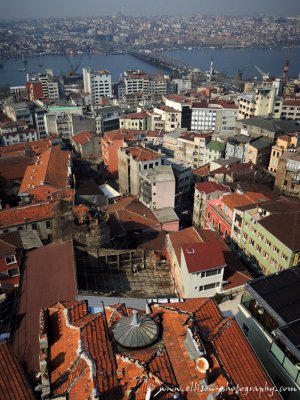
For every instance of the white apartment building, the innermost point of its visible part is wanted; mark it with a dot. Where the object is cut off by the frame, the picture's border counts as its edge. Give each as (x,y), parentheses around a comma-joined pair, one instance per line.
(194,273)
(16,132)
(135,81)
(157,187)
(97,83)
(217,116)
(260,102)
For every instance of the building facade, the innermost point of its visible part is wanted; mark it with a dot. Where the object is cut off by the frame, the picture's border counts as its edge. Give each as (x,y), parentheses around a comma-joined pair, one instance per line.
(97,83)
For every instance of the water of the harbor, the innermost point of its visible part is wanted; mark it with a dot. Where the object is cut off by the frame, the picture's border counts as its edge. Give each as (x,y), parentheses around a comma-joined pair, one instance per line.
(228,61)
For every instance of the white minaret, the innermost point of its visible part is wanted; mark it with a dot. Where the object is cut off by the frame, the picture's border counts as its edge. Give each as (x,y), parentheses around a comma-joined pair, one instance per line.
(211,71)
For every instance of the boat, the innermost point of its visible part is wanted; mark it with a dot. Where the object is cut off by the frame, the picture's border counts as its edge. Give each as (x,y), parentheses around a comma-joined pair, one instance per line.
(22,69)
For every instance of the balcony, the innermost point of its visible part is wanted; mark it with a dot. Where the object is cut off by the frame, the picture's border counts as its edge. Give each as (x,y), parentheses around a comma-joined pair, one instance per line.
(287,360)
(259,313)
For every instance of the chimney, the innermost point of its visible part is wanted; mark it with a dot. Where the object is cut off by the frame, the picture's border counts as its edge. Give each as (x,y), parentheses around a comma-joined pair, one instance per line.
(135,318)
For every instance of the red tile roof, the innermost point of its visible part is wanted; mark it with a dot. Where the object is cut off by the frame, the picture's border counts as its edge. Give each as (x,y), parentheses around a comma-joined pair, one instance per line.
(83,137)
(240,362)
(140,115)
(88,363)
(20,215)
(236,199)
(229,354)
(204,170)
(50,168)
(129,214)
(188,235)
(235,274)
(13,383)
(6,249)
(82,357)
(49,193)
(38,147)
(203,256)
(210,187)
(142,153)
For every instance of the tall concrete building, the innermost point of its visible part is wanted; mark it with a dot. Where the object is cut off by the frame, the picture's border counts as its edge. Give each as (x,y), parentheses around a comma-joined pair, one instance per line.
(132,160)
(217,116)
(97,83)
(261,102)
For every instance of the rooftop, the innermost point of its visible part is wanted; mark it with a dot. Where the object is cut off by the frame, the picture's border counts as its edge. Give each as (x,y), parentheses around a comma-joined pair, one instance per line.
(140,115)
(281,220)
(165,215)
(14,167)
(128,214)
(203,256)
(83,137)
(287,305)
(236,199)
(291,155)
(189,330)
(51,168)
(160,173)
(215,145)
(272,124)
(13,383)
(211,187)
(24,214)
(142,153)
(49,276)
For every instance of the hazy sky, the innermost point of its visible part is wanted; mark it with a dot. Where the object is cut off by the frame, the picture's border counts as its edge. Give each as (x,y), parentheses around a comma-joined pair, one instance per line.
(56,8)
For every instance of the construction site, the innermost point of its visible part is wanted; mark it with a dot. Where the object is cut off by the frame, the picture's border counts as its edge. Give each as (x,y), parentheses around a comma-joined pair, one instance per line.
(124,273)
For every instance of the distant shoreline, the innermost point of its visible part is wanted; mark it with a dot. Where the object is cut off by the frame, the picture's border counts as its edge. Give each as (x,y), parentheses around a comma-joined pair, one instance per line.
(118,52)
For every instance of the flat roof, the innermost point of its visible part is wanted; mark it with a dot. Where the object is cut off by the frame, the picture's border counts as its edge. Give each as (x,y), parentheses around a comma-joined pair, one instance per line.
(281,292)
(166,214)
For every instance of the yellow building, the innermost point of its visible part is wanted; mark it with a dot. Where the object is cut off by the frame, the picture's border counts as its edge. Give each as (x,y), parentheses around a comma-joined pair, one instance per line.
(282,144)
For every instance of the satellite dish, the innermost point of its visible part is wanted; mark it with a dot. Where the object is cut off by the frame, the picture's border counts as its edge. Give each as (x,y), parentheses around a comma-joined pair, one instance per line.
(202,365)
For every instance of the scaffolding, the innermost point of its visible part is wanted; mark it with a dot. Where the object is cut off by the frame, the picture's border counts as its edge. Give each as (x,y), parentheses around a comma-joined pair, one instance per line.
(124,273)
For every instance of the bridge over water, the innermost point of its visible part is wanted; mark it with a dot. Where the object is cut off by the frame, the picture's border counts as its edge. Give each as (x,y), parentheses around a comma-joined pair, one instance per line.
(165,62)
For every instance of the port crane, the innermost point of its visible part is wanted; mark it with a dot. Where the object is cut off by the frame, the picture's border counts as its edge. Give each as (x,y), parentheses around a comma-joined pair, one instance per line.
(265,76)
(73,68)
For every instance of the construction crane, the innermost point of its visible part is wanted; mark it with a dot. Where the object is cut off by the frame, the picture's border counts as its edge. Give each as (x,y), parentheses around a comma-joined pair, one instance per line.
(265,76)
(73,68)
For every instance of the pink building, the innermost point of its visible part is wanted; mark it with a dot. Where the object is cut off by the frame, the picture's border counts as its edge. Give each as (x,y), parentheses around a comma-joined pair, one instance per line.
(111,142)
(219,212)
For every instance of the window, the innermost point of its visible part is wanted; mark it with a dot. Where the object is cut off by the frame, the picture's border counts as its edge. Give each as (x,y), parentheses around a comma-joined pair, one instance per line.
(213,272)
(276,250)
(245,329)
(251,242)
(10,259)
(48,224)
(13,272)
(265,255)
(211,286)
(34,227)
